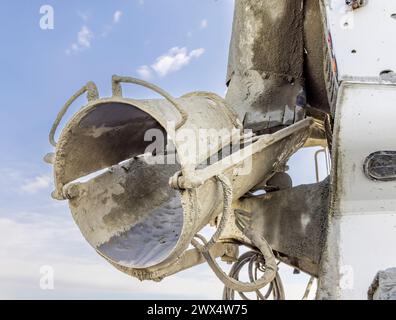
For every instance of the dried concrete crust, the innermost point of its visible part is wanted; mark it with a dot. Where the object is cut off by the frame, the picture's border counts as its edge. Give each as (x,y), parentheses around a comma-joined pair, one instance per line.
(329,269)
(293,221)
(267,37)
(314,56)
(275,45)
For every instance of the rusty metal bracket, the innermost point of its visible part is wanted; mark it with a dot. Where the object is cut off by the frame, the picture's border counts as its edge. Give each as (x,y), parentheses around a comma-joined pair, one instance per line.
(199,177)
(355,4)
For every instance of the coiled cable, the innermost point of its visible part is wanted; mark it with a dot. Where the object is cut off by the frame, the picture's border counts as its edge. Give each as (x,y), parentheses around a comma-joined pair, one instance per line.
(270,266)
(255,263)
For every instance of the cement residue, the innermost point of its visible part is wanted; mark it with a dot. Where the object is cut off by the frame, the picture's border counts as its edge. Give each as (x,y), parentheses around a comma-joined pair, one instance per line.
(267,63)
(314,43)
(280,46)
(293,221)
(99,137)
(112,203)
(149,241)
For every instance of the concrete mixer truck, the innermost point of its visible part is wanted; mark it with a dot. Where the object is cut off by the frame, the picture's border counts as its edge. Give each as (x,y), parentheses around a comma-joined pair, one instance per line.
(144,177)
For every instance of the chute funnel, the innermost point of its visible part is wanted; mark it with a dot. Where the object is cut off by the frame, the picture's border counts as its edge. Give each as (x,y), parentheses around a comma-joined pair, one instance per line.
(140,175)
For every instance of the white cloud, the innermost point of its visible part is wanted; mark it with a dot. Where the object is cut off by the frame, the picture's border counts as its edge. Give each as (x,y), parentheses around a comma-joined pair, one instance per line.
(145,72)
(117,16)
(141,2)
(55,241)
(84,39)
(24,179)
(84,16)
(10,174)
(175,59)
(85,35)
(197,53)
(36,184)
(31,240)
(108,28)
(204,24)
(106,31)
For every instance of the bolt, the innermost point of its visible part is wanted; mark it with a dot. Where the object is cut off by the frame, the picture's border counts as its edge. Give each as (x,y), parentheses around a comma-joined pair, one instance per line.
(71,191)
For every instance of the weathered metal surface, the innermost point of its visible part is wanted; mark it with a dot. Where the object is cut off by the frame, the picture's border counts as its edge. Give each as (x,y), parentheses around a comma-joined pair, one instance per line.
(145,227)
(113,130)
(362,221)
(362,44)
(92,94)
(273,49)
(293,221)
(283,140)
(267,37)
(129,213)
(315,45)
(265,164)
(99,136)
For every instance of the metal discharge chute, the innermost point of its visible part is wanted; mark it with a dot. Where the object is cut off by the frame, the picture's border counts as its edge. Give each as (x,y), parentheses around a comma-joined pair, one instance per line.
(144,177)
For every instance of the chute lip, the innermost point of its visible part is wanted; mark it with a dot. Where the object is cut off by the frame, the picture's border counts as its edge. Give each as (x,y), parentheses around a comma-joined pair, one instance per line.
(59,163)
(176,252)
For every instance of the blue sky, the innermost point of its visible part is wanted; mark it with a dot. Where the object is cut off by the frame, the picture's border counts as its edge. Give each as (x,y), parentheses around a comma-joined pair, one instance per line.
(181,45)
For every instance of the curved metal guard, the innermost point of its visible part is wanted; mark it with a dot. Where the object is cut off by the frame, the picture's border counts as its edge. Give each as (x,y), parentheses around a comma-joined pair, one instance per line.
(92,94)
(117,92)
